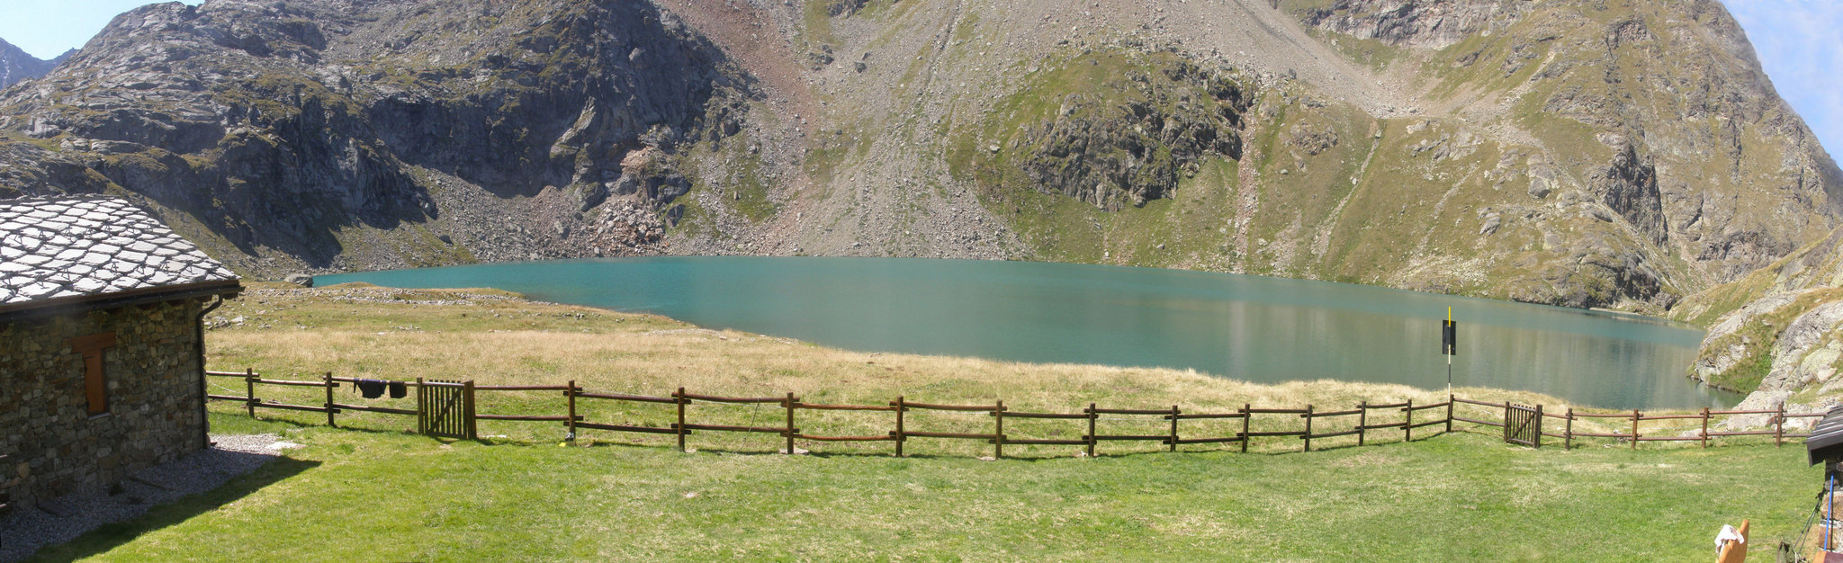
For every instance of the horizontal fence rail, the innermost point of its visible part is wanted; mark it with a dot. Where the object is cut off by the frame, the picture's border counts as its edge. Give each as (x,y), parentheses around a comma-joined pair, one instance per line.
(1179,427)
(1634,432)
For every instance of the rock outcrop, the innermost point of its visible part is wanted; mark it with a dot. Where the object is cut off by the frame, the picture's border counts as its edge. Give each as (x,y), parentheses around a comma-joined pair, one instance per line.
(350,134)
(1629,187)
(1432,25)
(1164,115)
(1784,344)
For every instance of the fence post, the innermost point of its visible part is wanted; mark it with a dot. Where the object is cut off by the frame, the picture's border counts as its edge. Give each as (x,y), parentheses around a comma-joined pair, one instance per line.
(1092,417)
(1634,429)
(1779,425)
(571,423)
(998,431)
(789,403)
(1308,427)
(1246,418)
(1449,413)
(328,380)
(1407,422)
(1538,437)
(1567,432)
(472,430)
(1362,419)
(422,408)
(680,397)
(899,437)
(249,391)
(1705,427)
(1174,413)
(1507,431)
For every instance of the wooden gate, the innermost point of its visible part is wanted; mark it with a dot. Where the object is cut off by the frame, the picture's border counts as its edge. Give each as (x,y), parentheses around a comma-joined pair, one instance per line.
(445,408)
(1523,425)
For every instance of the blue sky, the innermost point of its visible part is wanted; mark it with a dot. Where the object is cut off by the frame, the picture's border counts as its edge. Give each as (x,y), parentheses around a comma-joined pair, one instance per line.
(47,28)
(1800,42)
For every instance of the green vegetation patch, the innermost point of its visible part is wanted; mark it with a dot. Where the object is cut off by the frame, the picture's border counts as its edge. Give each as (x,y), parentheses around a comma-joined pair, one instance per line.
(740,179)
(816,21)
(831,150)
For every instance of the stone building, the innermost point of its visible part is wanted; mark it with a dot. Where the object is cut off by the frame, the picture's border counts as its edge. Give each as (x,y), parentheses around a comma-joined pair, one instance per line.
(101,346)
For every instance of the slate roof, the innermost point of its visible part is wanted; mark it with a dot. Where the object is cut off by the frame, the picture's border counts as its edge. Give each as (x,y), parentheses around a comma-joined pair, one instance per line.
(57,250)
(1826,440)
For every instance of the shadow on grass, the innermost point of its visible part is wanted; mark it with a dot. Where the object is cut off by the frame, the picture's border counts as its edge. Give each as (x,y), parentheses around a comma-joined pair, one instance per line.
(112,535)
(362,426)
(367,428)
(1010,455)
(601,441)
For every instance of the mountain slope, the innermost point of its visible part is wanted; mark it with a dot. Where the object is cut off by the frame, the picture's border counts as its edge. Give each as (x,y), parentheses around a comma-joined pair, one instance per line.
(315,135)
(1589,153)
(1777,333)
(16,65)
(1548,153)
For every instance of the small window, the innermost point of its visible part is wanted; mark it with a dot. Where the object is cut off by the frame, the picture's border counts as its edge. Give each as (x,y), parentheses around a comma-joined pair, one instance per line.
(95,382)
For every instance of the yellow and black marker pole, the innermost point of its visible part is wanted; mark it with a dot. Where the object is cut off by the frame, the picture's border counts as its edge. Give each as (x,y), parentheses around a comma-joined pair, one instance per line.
(1449,346)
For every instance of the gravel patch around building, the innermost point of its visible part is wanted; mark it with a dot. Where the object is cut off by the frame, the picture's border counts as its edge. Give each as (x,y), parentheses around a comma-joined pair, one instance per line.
(28,528)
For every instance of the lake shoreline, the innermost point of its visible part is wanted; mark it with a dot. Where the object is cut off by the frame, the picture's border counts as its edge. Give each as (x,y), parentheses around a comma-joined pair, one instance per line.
(1249,328)
(361,330)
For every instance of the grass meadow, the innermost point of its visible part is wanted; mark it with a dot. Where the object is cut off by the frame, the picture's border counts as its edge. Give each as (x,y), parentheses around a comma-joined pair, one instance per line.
(374,490)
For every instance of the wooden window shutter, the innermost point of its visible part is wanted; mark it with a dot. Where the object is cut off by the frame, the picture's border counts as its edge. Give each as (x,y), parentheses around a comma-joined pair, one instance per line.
(95,384)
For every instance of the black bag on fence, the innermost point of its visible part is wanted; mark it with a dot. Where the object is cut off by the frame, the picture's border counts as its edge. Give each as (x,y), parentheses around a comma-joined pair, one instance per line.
(371,388)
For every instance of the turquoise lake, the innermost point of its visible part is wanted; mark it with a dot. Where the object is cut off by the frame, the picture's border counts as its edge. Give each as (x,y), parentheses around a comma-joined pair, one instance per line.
(1243,327)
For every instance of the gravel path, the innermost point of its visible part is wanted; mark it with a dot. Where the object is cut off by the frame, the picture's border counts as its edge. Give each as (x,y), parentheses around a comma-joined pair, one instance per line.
(59,520)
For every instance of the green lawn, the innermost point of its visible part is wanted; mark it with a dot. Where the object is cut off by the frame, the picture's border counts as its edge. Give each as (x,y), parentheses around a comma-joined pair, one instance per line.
(386,495)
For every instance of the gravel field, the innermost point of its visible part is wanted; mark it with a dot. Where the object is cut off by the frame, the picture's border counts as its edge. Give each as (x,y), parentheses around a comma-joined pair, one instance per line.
(27,528)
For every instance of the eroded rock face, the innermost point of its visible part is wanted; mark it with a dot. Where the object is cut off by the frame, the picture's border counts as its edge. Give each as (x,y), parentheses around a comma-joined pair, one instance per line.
(1432,25)
(277,125)
(1629,187)
(1806,351)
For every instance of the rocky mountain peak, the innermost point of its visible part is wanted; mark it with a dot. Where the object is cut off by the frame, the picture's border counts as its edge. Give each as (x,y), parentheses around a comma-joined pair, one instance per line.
(16,65)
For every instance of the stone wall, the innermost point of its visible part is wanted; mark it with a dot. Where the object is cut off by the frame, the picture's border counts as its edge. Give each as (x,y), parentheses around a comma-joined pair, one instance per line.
(152,374)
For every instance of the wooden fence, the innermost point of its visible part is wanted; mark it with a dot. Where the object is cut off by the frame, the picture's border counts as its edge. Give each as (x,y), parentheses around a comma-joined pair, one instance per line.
(1635,435)
(1303,424)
